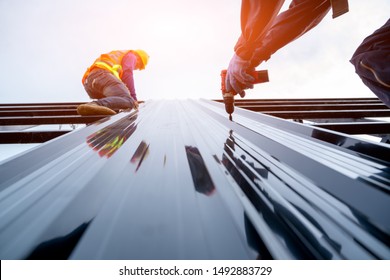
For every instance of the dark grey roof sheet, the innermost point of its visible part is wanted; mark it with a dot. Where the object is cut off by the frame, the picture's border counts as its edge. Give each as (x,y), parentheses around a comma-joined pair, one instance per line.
(178,180)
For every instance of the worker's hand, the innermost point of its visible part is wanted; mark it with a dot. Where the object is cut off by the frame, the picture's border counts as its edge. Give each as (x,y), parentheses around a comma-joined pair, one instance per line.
(135,105)
(237,78)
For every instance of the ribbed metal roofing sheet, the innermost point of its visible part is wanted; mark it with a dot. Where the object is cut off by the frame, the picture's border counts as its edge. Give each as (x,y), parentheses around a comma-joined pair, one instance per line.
(177,180)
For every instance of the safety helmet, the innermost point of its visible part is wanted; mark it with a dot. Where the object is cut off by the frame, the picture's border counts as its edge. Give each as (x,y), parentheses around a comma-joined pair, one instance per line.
(144,57)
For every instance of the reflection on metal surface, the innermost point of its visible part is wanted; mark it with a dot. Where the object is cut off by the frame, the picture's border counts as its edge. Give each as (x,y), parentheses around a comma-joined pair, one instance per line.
(60,247)
(139,154)
(201,177)
(252,178)
(233,163)
(178,180)
(109,139)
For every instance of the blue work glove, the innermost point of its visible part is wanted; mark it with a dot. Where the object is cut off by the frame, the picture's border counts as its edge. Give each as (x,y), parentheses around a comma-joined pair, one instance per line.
(237,77)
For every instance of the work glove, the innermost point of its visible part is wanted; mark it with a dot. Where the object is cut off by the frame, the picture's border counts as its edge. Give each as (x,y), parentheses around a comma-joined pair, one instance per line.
(237,77)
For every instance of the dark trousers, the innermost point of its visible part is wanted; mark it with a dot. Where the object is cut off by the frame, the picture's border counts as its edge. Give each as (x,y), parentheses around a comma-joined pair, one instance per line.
(108,90)
(372,62)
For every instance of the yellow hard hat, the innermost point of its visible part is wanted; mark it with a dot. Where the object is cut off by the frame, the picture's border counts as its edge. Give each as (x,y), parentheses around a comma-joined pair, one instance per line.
(144,57)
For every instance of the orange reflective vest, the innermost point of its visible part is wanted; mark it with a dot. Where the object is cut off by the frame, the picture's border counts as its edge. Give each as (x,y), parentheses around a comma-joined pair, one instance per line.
(109,61)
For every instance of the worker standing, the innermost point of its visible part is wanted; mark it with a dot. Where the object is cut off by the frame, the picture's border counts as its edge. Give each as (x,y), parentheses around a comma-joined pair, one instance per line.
(264,31)
(109,80)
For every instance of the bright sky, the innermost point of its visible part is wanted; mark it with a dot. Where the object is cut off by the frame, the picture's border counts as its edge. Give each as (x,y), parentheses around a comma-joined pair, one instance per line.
(46,45)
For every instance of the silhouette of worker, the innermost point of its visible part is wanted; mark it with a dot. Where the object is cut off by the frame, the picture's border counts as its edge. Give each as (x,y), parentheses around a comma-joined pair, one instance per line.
(264,31)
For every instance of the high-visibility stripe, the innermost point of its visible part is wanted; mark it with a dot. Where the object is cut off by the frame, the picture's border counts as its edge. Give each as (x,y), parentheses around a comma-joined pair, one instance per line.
(115,69)
(110,61)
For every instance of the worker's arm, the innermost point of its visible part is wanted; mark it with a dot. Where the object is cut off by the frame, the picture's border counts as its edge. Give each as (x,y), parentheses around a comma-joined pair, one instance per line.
(256,17)
(264,32)
(128,65)
(299,18)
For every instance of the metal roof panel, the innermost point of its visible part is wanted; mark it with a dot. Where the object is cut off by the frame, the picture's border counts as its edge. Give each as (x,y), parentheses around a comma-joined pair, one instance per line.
(177,180)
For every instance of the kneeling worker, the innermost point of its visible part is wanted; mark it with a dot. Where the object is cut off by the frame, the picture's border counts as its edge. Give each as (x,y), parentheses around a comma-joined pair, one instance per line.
(109,80)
